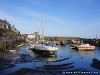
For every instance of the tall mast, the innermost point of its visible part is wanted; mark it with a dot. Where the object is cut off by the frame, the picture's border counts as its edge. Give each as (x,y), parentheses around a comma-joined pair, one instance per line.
(96,36)
(43,28)
(37,30)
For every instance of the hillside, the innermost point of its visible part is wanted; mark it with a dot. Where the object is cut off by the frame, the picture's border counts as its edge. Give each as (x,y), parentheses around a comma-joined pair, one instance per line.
(8,33)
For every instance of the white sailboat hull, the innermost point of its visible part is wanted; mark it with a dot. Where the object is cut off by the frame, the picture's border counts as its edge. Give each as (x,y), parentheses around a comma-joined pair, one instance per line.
(45,48)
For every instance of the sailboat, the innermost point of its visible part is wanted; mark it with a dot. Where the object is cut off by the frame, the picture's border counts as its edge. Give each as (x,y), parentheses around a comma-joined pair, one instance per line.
(42,47)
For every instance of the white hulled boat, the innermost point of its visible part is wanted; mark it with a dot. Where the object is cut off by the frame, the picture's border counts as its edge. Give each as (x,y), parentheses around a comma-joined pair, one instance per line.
(73,46)
(31,46)
(42,47)
(85,47)
(45,48)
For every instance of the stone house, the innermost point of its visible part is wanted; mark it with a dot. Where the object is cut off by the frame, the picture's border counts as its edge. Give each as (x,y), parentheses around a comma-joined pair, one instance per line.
(4,24)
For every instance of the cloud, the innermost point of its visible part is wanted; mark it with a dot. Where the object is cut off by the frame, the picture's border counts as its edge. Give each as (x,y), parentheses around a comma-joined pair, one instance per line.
(26,20)
(50,18)
(20,23)
(75,28)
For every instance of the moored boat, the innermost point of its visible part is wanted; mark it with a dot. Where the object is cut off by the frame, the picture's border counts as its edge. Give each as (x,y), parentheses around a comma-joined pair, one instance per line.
(58,43)
(62,43)
(85,47)
(44,47)
(73,46)
(31,46)
(20,45)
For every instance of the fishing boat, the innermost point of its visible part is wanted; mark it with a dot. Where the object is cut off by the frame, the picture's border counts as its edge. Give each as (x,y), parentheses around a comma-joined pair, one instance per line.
(62,43)
(42,47)
(73,46)
(31,46)
(20,45)
(58,43)
(85,47)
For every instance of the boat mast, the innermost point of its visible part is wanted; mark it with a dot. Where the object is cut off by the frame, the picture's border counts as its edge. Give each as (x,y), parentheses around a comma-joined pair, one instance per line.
(43,29)
(37,30)
(96,36)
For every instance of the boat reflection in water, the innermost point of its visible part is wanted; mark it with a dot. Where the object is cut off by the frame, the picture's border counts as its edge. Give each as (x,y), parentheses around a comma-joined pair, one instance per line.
(86,52)
(40,60)
(44,57)
(83,52)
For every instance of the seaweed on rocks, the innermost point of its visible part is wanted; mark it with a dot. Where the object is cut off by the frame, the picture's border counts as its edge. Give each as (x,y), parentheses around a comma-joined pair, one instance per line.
(58,67)
(27,71)
(24,58)
(62,65)
(95,64)
(5,64)
(61,59)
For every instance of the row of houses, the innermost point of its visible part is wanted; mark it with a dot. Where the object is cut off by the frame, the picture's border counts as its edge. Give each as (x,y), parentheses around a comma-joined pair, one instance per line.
(49,38)
(30,36)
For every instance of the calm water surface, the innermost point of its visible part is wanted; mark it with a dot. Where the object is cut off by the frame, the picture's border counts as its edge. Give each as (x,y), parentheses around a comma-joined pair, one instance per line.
(28,62)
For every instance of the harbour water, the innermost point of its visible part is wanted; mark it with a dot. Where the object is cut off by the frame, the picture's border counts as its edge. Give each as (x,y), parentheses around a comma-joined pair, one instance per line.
(67,61)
